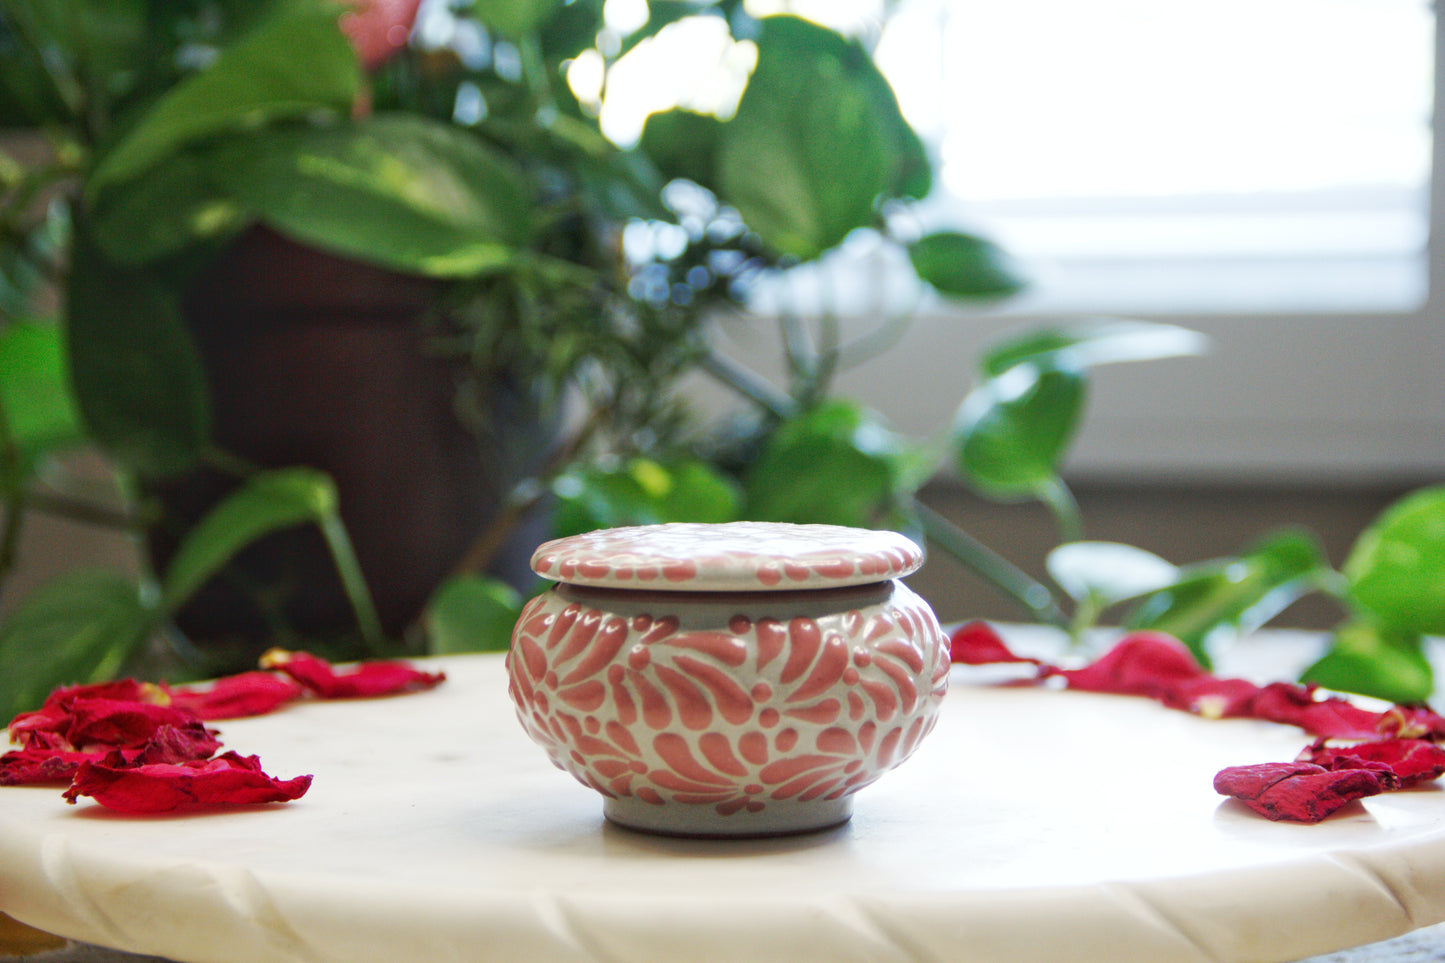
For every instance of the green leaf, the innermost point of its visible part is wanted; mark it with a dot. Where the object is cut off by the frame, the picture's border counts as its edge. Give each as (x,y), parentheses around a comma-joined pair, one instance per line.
(1012,431)
(1370,660)
(683,144)
(1086,344)
(175,205)
(136,374)
(91,53)
(1234,594)
(268,501)
(643,492)
(291,65)
(35,401)
(810,150)
(469,613)
(79,628)
(31,96)
(1396,569)
(965,266)
(622,186)
(1108,572)
(571,30)
(832,465)
(514,19)
(401,191)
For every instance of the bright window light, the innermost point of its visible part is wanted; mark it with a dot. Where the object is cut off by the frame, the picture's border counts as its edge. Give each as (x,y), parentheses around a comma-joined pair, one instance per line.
(1228,143)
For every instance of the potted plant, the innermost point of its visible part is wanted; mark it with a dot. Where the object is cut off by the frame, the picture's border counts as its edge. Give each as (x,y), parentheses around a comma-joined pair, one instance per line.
(280,240)
(431,222)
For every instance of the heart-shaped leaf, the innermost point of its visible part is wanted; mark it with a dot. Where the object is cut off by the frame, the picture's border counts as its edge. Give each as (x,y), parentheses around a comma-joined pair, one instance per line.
(470,613)
(39,413)
(290,65)
(832,465)
(1370,660)
(137,376)
(78,628)
(813,144)
(401,191)
(1234,594)
(1012,430)
(267,502)
(1396,569)
(965,266)
(1108,572)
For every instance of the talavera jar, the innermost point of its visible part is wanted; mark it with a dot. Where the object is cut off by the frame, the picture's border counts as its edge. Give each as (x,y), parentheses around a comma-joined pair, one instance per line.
(724,680)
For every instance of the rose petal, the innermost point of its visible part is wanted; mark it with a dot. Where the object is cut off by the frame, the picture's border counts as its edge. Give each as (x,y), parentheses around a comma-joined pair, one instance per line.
(106,722)
(976,643)
(1401,763)
(1411,722)
(1296,791)
(84,723)
(365,679)
(237,696)
(168,744)
(1213,698)
(1141,663)
(225,781)
(1296,705)
(38,767)
(174,744)
(120,690)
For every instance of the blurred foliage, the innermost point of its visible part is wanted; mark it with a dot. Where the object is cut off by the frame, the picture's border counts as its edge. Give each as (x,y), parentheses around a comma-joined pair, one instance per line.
(570,264)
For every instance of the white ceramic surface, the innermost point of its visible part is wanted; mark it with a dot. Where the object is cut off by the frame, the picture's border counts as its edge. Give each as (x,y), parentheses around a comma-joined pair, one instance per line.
(730,557)
(1032,825)
(724,714)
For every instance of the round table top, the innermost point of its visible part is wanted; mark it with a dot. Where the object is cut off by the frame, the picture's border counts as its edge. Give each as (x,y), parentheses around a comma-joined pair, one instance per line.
(728,557)
(1033,824)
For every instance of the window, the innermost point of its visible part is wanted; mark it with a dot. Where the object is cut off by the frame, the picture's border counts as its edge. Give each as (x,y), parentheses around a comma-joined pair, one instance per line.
(1258,170)
(1252,154)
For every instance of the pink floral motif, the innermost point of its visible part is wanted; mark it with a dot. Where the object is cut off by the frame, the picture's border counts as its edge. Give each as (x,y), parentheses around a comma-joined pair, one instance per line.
(763,710)
(746,556)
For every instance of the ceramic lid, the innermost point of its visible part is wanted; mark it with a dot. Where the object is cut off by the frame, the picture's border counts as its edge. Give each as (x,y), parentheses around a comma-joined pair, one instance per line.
(731,557)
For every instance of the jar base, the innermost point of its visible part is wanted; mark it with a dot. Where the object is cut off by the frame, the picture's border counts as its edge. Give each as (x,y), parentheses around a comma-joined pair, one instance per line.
(781,818)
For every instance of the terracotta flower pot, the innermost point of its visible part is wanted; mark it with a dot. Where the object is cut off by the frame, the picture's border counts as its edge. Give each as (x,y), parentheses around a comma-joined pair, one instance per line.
(317,360)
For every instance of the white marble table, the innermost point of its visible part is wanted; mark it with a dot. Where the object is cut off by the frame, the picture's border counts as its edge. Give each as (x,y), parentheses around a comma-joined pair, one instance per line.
(1032,825)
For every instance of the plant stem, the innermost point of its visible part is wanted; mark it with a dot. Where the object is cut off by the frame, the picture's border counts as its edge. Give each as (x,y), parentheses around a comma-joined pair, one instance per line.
(992,567)
(748,384)
(343,555)
(483,548)
(1061,504)
(827,363)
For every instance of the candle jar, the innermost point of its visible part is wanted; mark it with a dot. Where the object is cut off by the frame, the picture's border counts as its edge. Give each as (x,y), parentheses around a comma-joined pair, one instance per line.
(728,680)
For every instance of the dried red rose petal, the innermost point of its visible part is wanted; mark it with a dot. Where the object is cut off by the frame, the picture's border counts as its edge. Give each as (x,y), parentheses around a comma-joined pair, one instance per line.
(237,696)
(1142,663)
(1400,763)
(82,723)
(227,780)
(106,722)
(976,643)
(1214,698)
(1411,722)
(39,767)
(120,690)
(375,678)
(46,766)
(1296,791)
